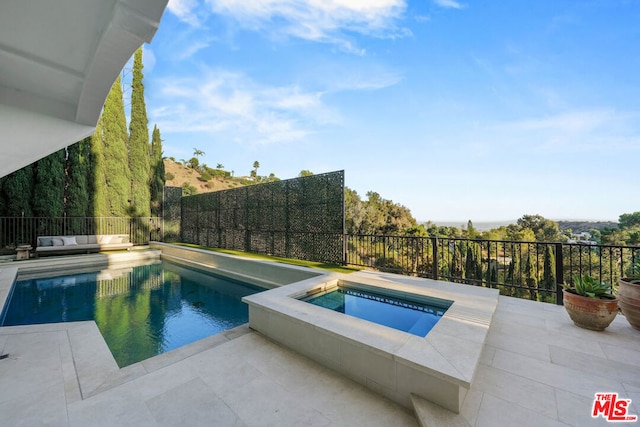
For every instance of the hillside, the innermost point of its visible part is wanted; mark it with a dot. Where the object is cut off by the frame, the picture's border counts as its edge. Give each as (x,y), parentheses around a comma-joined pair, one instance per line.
(180,174)
(580,226)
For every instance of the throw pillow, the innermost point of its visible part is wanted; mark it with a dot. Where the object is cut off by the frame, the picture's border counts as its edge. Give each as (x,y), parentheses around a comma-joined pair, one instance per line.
(46,241)
(69,241)
(57,242)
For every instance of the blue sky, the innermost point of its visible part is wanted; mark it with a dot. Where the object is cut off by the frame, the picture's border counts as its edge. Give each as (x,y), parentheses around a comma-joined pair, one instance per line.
(481,110)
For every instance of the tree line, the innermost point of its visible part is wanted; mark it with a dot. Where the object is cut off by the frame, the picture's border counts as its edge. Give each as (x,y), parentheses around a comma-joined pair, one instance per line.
(114,172)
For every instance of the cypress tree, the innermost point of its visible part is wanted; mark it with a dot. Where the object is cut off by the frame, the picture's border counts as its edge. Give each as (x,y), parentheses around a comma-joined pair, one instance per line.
(98,183)
(138,145)
(549,274)
(530,275)
(457,267)
(514,275)
(473,262)
(3,203)
(79,178)
(117,181)
(17,190)
(49,183)
(157,173)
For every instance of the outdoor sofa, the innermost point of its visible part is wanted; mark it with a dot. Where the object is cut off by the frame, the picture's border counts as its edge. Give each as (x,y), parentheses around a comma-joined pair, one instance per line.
(66,245)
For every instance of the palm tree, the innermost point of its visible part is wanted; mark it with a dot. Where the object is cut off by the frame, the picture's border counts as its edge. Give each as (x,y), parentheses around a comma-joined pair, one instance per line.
(198,153)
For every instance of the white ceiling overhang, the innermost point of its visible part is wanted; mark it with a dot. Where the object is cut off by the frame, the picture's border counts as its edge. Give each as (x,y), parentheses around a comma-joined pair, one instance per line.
(58,60)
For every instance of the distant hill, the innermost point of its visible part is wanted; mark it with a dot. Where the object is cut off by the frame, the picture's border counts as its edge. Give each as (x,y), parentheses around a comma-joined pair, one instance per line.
(180,174)
(575,226)
(580,226)
(480,226)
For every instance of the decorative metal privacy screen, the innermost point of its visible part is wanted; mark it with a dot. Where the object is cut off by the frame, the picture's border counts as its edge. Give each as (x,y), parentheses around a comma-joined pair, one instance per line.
(300,218)
(171,202)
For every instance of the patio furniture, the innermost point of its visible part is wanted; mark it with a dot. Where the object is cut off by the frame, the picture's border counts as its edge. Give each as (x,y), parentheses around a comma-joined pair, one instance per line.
(67,245)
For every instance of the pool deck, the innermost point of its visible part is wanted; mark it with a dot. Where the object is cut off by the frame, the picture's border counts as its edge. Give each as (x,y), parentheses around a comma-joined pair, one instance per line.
(536,369)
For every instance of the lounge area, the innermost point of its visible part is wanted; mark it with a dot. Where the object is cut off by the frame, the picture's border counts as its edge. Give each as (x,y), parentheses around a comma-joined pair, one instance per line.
(535,368)
(68,245)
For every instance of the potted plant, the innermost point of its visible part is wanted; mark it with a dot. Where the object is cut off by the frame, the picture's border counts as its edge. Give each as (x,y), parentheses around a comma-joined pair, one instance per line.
(590,304)
(629,295)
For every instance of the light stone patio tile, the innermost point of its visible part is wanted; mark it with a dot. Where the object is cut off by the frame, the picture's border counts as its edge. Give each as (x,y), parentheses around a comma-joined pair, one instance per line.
(46,407)
(192,404)
(520,344)
(543,336)
(119,377)
(575,410)
(275,406)
(511,314)
(622,354)
(346,402)
(71,386)
(183,352)
(486,357)
(3,342)
(498,412)
(33,347)
(430,414)
(162,380)
(93,359)
(236,364)
(282,365)
(120,406)
(629,388)
(562,377)
(512,388)
(618,333)
(24,373)
(462,355)
(471,405)
(597,366)
(223,375)
(635,402)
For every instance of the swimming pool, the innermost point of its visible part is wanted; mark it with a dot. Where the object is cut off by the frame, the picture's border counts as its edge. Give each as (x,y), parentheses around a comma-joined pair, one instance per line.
(414,316)
(141,311)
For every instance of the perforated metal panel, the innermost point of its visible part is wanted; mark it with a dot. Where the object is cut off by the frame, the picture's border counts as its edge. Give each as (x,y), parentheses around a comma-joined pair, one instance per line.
(300,218)
(171,211)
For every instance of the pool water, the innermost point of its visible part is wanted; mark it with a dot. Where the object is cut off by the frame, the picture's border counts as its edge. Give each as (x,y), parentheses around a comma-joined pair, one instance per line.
(408,315)
(141,311)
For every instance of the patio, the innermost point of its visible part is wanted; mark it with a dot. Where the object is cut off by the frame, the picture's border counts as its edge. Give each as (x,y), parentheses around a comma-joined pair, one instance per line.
(536,369)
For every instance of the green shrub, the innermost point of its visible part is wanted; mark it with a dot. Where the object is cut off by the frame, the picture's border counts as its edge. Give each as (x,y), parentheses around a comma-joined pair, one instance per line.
(204,177)
(188,189)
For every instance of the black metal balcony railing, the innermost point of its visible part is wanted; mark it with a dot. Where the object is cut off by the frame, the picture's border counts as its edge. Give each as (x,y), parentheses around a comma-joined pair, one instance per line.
(25,230)
(531,270)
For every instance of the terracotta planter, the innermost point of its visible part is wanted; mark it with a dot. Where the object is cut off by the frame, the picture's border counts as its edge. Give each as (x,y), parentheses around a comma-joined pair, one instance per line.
(629,296)
(590,313)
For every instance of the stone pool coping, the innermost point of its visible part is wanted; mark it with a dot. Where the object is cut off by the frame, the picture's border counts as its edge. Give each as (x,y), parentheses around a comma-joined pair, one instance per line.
(439,367)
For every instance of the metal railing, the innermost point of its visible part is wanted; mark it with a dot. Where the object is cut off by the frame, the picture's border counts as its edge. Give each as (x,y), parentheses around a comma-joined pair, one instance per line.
(25,230)
(532,270)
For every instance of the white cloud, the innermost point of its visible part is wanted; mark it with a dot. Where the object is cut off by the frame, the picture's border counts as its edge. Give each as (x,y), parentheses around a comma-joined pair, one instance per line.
(192,49)
(317,20)
(221,101)
(185,10)
(449,4)
(593,130)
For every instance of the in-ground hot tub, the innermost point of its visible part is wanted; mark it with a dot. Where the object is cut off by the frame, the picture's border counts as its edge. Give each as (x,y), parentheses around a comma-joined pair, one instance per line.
(415,314)
(438,367)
